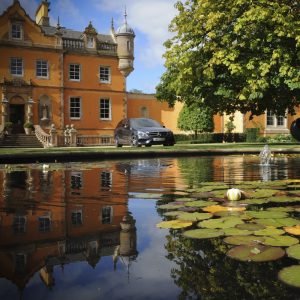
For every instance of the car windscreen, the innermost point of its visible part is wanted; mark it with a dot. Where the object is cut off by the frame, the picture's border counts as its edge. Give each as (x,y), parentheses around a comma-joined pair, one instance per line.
(137,123)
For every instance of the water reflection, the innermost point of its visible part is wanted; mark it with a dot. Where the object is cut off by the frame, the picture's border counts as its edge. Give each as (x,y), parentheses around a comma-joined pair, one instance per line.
(57,217)
(70,225)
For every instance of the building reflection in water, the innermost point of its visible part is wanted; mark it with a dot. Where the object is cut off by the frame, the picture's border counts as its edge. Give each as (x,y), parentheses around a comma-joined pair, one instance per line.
(53,218)
(55,215)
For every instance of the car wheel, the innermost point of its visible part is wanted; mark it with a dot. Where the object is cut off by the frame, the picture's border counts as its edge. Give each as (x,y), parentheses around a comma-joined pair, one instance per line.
(117,142)
(171,144)
(134,142)
(148,145)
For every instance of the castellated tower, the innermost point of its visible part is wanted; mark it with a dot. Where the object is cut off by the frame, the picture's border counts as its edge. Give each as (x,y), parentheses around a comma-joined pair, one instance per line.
(125,39)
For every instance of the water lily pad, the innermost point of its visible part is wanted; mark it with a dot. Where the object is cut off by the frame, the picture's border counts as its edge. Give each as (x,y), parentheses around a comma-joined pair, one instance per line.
(216,208)
(290,275)
(243,240)
(294,186)
(173,213)
(236,231)
(264,193)
(196,216)
(174,224)
(256,201)
(226,222)
(250,226)
(146,195)
(278,222)
(188,209)
(295,230)
(170,206)
(267,214)
(270,230)
(280,240)
(256,253)
(200,203)
(185,199)
(202,195)
(294,251)
(203,233)
(281,208)
(227,213)
(209,188)
(284,199)
(220,193)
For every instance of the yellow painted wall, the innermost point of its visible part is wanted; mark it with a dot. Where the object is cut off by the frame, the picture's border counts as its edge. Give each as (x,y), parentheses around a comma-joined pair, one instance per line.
(30,56)
(159,111)
(33,35)
(90,65)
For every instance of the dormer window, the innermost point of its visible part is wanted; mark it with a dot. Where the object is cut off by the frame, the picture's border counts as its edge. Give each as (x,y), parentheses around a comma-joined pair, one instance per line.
(16,31)
(90,42)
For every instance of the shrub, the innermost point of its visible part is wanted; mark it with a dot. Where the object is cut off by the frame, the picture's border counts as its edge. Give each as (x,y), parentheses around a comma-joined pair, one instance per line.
(8,124)
(251,134)
(28,125)
(203,138)
(282,138)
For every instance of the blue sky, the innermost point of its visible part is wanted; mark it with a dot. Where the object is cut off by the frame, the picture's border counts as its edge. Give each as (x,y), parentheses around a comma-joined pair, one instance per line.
(148,18)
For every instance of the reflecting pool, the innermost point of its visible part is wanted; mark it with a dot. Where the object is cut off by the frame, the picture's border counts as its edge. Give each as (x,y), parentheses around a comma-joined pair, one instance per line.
(88,231)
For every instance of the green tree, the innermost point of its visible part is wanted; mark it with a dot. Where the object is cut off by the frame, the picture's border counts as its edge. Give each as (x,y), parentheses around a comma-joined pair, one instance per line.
(234,55)
(196,118)
(230,125)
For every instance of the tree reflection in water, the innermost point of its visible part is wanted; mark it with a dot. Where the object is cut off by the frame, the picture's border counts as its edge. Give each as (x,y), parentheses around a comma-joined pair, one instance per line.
(204,272)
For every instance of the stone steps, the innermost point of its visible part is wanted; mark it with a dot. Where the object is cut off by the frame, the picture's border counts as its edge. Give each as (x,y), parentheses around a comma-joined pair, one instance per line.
(20,140)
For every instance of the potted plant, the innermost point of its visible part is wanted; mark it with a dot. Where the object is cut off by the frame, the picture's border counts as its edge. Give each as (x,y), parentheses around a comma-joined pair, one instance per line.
(28,127)
(8,127)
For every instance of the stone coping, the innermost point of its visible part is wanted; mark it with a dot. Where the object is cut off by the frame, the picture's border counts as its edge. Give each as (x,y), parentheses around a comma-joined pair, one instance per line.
(88,155)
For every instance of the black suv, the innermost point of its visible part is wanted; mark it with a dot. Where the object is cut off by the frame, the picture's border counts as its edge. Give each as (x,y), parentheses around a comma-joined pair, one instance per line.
(142,131)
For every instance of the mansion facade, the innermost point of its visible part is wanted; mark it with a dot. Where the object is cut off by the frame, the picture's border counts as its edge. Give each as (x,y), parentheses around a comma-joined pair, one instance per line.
(53,77)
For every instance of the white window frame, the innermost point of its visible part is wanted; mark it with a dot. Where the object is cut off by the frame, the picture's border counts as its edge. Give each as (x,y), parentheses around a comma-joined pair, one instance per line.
(14,31)
(73,73)
(44,228)
(101,107)
(19,224)
(105,74)
(78,179)
(44,66)
(272,121)
(77,211)
(106,178)
(70,108)
(16,66)
(104,218)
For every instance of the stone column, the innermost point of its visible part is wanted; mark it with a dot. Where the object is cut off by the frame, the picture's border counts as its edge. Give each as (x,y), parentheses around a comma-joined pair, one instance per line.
(73,136)
(29,110)
(53,136)
(4,117)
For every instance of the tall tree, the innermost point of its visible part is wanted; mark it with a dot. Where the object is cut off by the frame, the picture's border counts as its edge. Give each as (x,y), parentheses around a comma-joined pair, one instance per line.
(196,118)
(234,55)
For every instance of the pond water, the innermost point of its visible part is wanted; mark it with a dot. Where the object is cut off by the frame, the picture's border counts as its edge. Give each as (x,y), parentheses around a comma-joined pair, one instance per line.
(88,231)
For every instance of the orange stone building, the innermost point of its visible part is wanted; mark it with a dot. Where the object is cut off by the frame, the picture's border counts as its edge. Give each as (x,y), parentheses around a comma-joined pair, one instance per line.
(50,219)
(55,77)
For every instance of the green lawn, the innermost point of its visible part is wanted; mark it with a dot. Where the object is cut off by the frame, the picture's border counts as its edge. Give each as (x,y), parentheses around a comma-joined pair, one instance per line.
(177,147)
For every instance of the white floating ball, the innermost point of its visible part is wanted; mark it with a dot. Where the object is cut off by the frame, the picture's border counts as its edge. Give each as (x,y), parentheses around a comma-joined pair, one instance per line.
(234,194)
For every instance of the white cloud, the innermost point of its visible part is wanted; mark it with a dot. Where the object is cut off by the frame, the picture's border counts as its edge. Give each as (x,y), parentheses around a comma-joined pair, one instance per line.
(151,18)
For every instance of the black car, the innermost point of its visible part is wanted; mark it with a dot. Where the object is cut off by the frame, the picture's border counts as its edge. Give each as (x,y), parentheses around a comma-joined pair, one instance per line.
(142,131)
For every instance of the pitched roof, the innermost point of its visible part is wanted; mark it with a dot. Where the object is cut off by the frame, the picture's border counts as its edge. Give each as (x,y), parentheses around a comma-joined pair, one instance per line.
(73,34)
